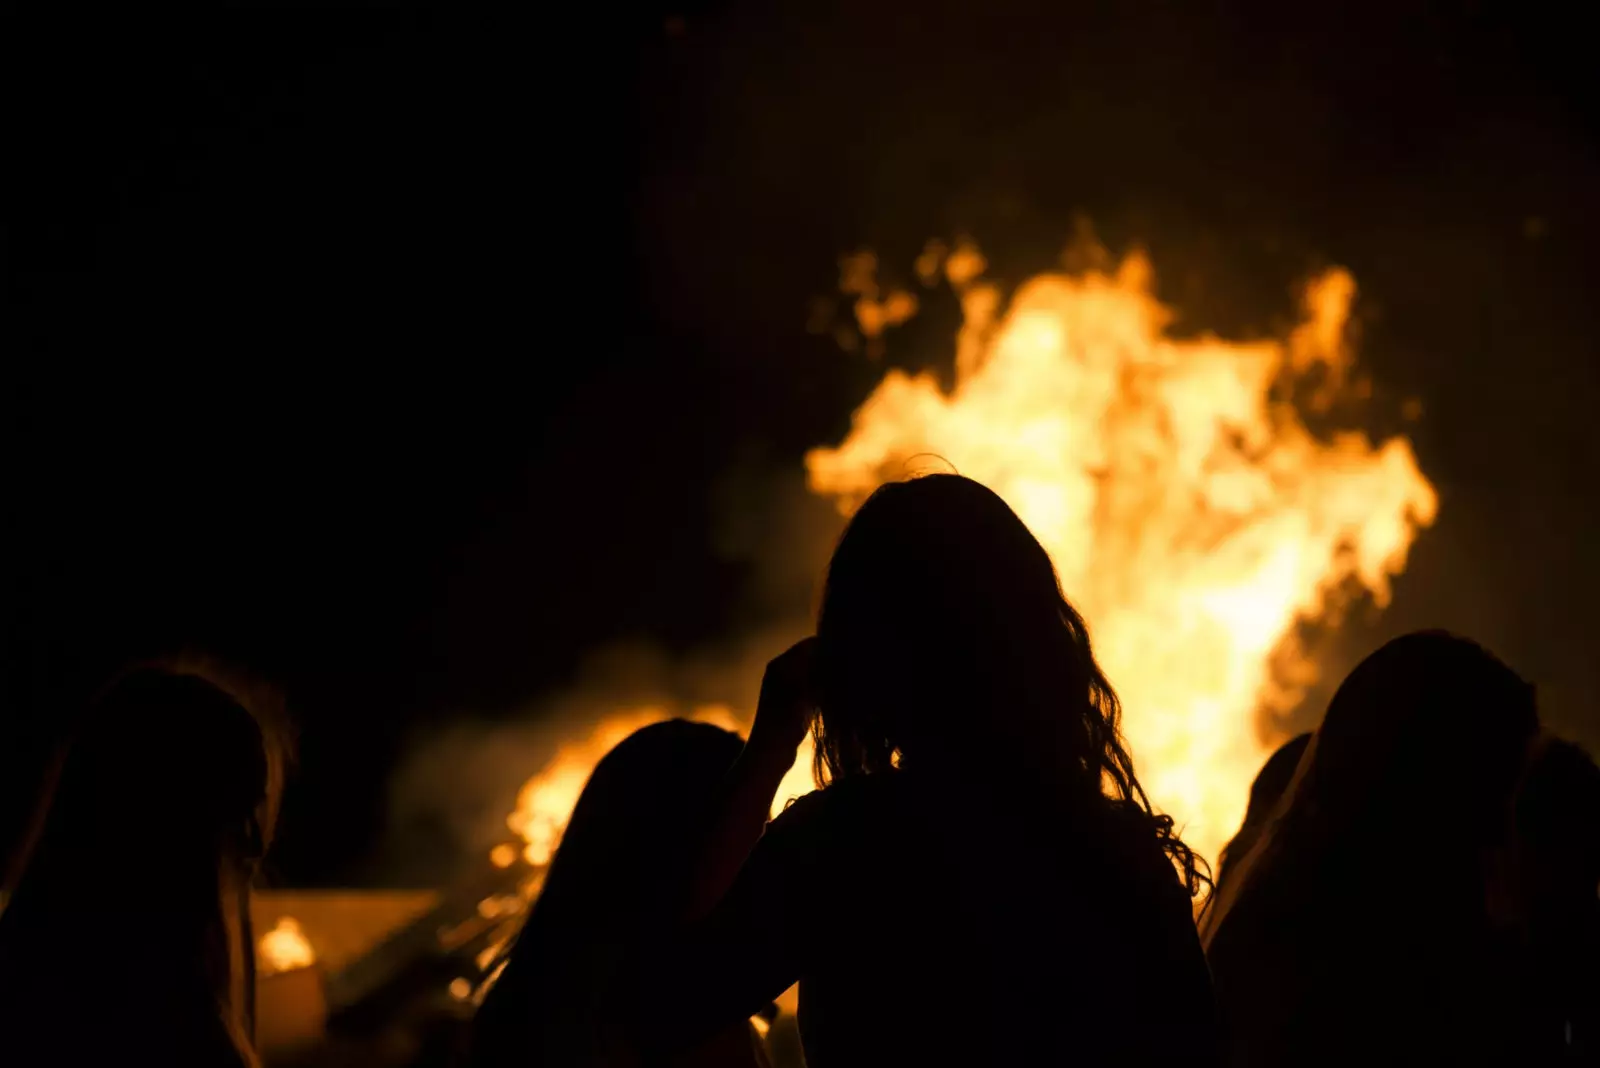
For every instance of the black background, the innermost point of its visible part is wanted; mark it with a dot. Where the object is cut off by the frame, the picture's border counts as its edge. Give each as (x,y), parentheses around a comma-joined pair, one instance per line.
(406,356)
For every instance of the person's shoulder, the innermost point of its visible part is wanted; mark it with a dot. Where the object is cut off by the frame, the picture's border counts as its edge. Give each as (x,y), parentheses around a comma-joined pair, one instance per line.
(845,803)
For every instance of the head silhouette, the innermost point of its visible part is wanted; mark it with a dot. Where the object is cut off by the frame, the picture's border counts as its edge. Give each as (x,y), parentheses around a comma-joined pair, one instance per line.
(636,822)
(630,841)
(1430,722)
(1407,781)
(1360,915)
(943,637)
(159,810)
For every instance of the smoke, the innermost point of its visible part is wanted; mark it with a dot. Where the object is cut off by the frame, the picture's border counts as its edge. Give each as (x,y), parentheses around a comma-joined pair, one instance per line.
(451,793)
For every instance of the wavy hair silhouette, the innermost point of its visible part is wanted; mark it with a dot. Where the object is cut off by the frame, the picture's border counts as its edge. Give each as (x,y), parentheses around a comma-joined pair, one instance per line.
(944,636)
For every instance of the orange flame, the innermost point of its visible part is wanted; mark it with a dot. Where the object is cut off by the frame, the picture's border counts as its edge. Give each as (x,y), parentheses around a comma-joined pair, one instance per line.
(545,802)
(284,948)
(1191,515)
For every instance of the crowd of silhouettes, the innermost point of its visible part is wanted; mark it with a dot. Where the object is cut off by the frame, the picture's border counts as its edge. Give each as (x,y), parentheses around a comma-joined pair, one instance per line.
(980,879)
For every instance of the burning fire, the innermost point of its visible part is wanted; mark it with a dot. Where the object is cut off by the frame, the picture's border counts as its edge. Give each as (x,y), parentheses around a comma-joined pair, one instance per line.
(545,802)
(284,948)
(1192,516)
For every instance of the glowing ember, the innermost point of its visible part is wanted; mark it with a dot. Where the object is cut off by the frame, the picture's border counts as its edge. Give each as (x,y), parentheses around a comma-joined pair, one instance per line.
(488,983)
(503,855)
(546,800)
(499,906)
(1192,516)
(284,948)
(489,955)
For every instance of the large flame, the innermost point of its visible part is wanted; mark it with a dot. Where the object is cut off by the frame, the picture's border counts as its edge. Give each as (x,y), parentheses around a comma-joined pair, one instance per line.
(1192,516)
(284,948)
(545,802)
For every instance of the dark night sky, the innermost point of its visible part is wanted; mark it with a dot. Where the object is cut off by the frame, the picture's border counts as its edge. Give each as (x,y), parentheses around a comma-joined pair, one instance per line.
(405,360)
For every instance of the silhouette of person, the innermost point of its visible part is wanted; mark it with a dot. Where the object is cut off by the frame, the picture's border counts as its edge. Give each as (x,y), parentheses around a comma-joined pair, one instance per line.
(126,936)
(1548,892)
(1355,929)
(636,827)
(981,880)
(1270,784)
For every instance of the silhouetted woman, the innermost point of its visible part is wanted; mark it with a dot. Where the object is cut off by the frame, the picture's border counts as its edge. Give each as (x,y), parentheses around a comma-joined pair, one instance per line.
(638,825)
(126,939)
(1356,930)
(982,880)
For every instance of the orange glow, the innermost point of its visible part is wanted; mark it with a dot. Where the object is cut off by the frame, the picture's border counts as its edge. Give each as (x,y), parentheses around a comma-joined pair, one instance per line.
(499,906)
(284,948)
(797,780)
(546,800)
(1192,516)
(503,855)
(489,955)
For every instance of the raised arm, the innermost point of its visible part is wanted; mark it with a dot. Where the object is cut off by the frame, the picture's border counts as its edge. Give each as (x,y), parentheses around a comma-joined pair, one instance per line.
(754,901)
(755,944)
(782,716)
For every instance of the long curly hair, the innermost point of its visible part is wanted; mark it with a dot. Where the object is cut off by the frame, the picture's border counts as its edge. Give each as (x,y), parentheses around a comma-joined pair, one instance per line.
(943,635)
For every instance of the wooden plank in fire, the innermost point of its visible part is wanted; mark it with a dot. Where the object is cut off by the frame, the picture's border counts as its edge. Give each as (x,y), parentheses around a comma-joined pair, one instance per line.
(455,930)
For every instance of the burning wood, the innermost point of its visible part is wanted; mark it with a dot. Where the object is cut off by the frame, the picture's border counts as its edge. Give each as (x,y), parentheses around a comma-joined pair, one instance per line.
(422,959)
